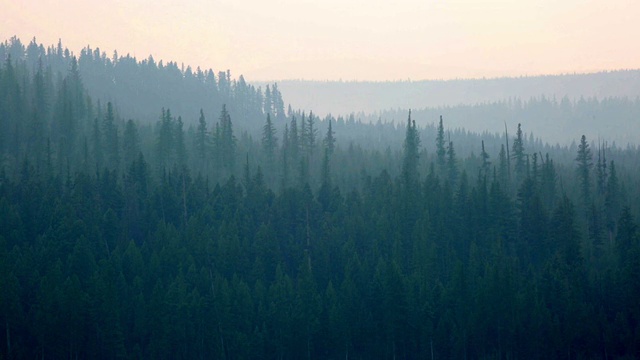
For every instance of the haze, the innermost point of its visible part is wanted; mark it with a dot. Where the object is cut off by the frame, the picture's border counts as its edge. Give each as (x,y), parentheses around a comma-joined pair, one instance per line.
(348,40)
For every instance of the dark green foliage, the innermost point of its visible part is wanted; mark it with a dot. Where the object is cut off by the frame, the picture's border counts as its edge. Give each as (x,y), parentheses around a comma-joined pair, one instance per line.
(440,146)
(150,255)
(584,160)
(269,140)
(411,155)
(518,156)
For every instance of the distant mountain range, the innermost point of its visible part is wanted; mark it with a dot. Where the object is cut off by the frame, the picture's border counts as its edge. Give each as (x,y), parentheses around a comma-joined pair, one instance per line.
(339,97)
(603,105)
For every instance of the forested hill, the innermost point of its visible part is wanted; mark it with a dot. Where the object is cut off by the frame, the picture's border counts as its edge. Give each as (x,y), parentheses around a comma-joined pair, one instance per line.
(602,104)
(139,87)
(137,239)
(342,97)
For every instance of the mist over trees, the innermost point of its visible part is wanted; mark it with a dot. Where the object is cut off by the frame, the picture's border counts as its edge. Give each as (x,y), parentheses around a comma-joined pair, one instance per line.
(246,232)
(601,104)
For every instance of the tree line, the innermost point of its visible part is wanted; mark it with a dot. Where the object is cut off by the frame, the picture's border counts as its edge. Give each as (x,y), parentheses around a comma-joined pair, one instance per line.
(126,239)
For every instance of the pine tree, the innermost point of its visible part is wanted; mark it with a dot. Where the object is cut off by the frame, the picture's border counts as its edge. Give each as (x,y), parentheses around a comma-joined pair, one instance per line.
(110,131)
(202,140)
(227,141)
(268,101)
(311,133)
(411,154)
(98,151)
(294,140)
(612,198)
(519,156)
(269,141)
(278,103)
(452,163)
(548,183)
(130,142)
(441,151)
(486,164)
(165,140)
(180,146)
(329,139)
(503,168)
(601,171)
(584,160)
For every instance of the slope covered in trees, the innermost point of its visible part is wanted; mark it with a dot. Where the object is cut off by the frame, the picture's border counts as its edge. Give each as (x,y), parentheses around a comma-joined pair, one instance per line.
(140,87)
(314,239)
(601,104)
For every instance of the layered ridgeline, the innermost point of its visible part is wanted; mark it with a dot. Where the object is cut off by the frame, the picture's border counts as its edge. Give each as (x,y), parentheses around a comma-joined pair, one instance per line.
(140,87)
(604,104)
(163,237)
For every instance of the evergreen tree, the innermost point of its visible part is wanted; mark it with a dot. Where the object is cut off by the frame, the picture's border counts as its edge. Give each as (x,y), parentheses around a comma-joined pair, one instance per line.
(165,140)
(202,141)
(98,151)
(269,141)
(548,183)
(111,143)
(441,151)
(131,142)
(452,163)
(503,168)
(519,156)
(227,141)
(268,101)
(294,140)
(180,146)
(329,140)
(310,134)
(601,172)
(583,169)
(278,103)
(486,164)
(612,197)
(411,155)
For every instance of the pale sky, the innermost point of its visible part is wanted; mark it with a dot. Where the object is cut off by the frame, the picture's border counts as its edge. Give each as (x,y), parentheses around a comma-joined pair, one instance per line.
(345,39)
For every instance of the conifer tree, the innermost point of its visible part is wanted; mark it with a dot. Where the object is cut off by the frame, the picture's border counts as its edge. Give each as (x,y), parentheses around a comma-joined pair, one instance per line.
(503,168)
(269,140)
(268,101)
(227,141)
(110,131)
(601,171)
(519,156)
(441,151)
(452,166)
(329,139)
(278,103)
(411,154)
(548,183)
(311,134)
(486,164)
(202,140)
(181,148)
(98,152)
(584,160)
(294,140)
(612,197)
(165,140)
(130,142)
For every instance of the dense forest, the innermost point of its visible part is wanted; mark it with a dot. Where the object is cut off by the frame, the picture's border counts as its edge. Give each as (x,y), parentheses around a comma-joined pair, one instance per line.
(159,236)
(604,104)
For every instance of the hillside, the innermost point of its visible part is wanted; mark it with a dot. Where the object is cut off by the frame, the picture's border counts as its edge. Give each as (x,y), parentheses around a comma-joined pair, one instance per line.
(601,104)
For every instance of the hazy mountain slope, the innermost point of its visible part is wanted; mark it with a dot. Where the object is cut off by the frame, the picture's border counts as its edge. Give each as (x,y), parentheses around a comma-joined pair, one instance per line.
(339,97)
(554,107)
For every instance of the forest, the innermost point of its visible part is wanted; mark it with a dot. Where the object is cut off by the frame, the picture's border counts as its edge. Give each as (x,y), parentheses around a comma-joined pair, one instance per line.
(239,230)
